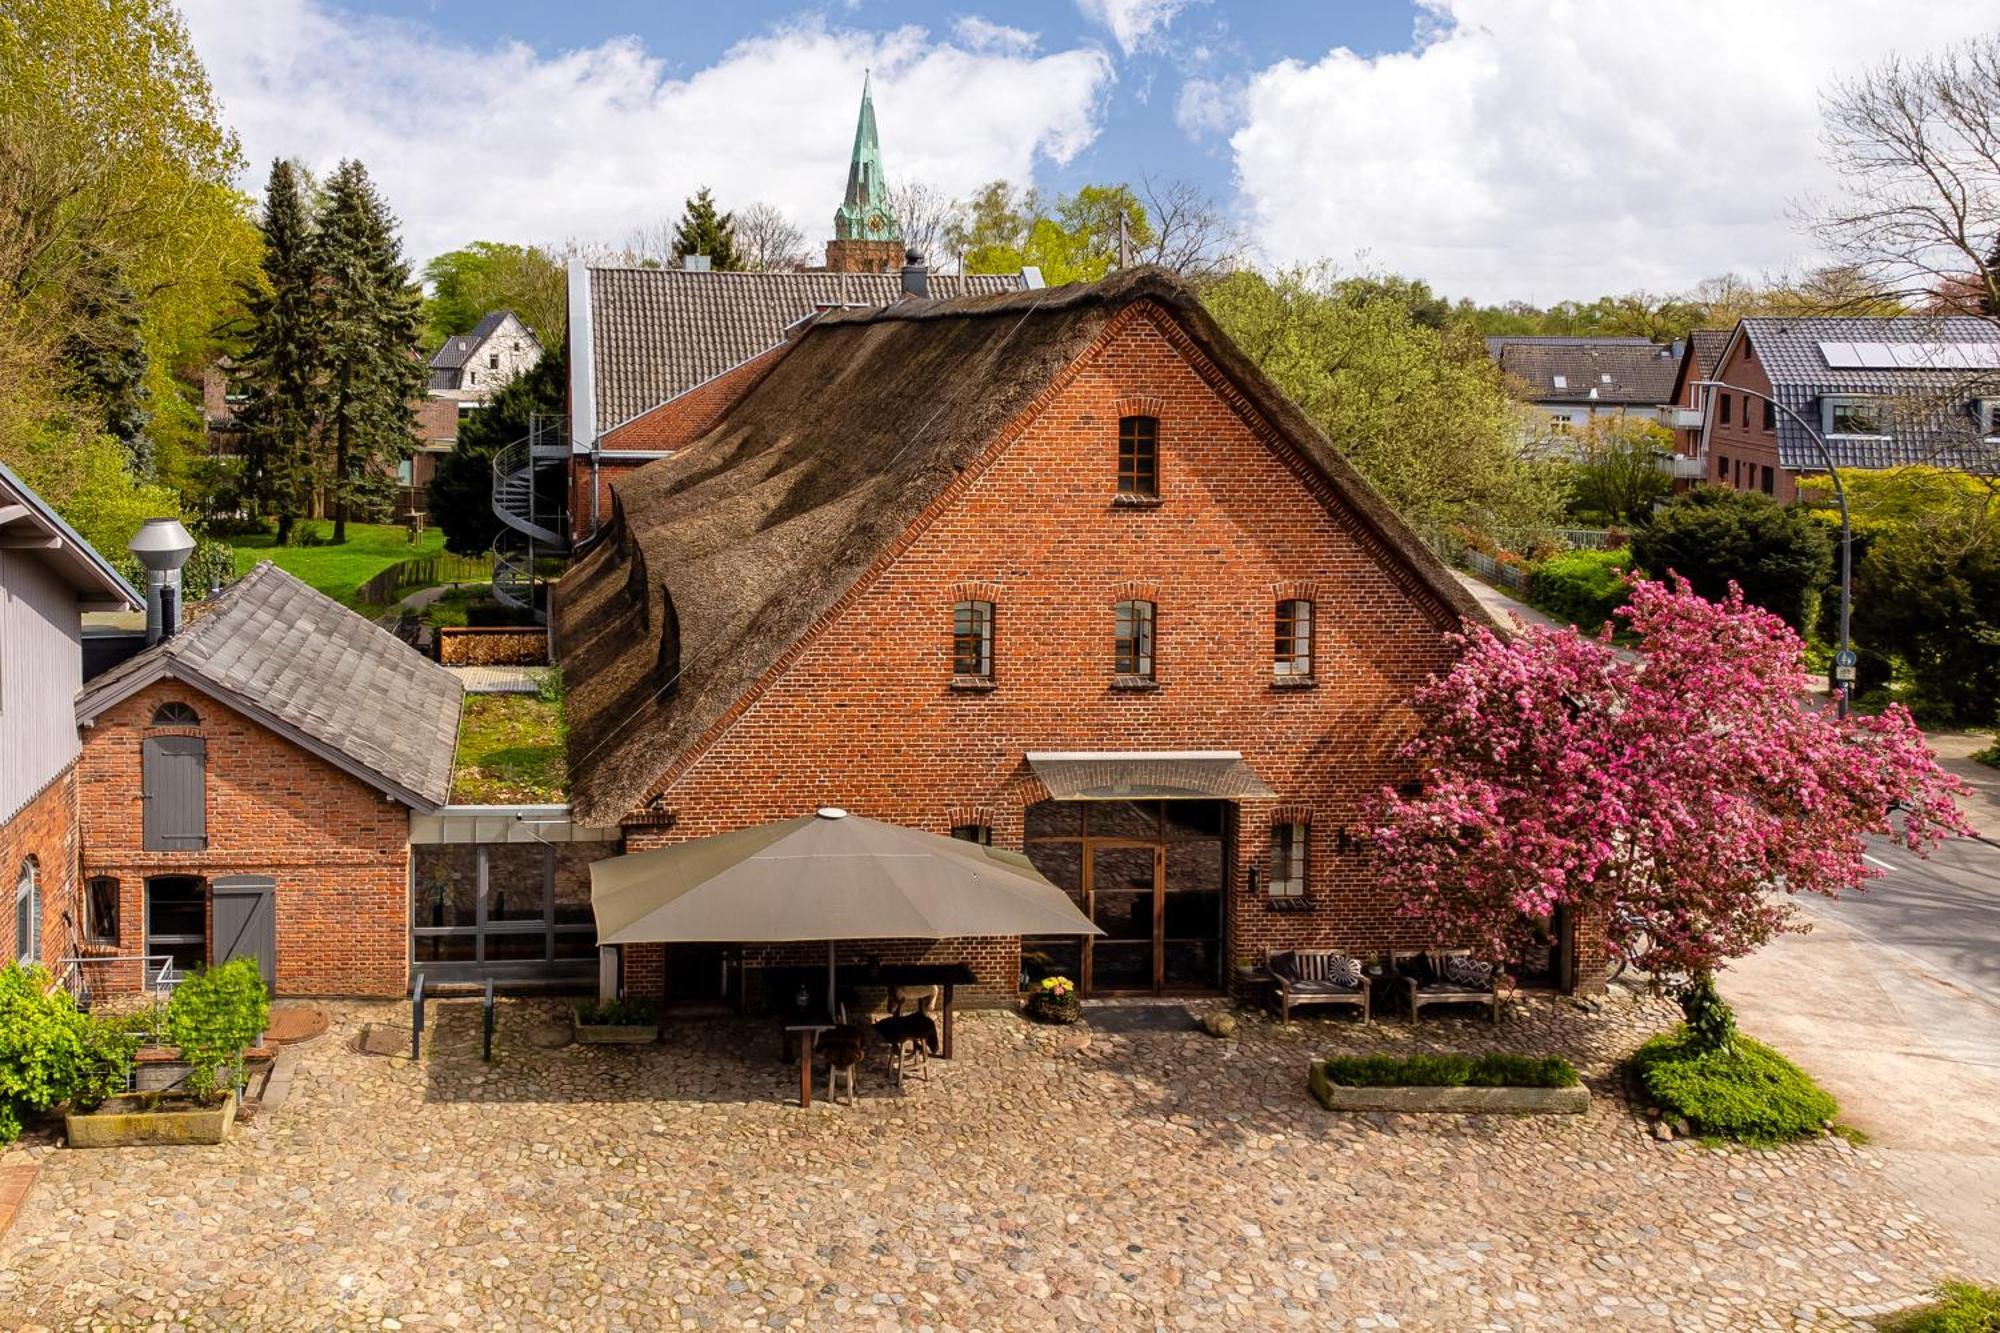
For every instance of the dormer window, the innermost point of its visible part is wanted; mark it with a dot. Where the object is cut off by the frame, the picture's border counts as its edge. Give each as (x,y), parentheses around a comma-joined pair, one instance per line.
(1139,457)
(1851,417)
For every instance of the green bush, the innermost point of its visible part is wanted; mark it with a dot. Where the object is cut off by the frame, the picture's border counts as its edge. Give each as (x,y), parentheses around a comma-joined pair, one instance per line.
(1712,536)
(1747,1092)
(213,1016)
(1450,1071)
(104,1068)
(40,1047)
(1960,1308)
(616,1013)
(1582,587)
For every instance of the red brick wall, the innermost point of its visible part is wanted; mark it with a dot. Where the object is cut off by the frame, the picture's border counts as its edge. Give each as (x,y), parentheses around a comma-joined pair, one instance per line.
(45,829)
(1744,442)
(337,848)
(864,717)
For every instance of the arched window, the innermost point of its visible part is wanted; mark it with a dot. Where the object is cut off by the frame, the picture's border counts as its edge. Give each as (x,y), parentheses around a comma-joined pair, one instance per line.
(176,715)
(28,913)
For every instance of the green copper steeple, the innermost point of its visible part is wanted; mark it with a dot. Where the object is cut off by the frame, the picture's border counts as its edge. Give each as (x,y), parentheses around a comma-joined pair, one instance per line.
(866,213)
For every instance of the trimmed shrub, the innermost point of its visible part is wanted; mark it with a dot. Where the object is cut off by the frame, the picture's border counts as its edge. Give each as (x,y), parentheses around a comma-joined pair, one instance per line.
(1712,536)
(638,1013)
(214,1015)
(1450,1071)
(1584,588)
(1747,1092)
(1960,1308)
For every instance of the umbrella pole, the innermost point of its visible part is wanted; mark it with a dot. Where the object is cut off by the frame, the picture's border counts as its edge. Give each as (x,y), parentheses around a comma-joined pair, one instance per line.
(829,980)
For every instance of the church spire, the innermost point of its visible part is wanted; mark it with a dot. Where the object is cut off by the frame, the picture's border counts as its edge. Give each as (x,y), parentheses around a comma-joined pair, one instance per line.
(865,213)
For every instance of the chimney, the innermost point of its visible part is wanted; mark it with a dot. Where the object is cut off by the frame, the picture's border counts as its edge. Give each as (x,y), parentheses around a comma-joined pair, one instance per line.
(695,263)
(916,276)
(162,546)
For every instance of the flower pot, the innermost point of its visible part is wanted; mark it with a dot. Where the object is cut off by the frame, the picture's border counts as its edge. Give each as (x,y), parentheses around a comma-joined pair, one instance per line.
(1046,1007)
(613,1034)
(138,1120)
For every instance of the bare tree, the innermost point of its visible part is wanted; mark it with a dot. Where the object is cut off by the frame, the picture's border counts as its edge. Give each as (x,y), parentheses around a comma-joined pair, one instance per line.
(927,215)
(1916,145)
(1191,234)
(769,241)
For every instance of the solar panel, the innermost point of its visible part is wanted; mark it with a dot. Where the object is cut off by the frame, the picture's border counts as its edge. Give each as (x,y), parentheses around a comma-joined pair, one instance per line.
(1911,356)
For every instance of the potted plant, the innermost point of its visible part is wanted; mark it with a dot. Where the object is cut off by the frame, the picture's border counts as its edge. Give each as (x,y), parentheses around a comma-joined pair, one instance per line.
(1055,1001)
(212,1018)
(608,1022)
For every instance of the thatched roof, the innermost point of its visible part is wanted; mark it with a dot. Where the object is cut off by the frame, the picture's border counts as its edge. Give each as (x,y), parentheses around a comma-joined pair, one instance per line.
(741,542)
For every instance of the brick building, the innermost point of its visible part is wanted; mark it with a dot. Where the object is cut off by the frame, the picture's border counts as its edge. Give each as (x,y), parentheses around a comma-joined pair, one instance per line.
(1880,392)
(247,787)
(1060,570)
(49,577)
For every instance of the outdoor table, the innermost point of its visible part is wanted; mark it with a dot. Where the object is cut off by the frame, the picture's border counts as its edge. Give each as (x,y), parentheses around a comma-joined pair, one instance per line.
(807,1024)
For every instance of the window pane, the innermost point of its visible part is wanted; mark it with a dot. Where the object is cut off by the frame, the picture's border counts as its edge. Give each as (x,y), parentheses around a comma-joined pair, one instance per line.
(1854,418)
(576,944)
(1193,819)
(1135,639)
(1293,642)
(516,884)
(972,639)
(104,911)
(1052,956)
(1124,819)
(176,907)
(454,948)
(1138,456)
(1061,863)
(573,861)
(447,892)
(978,833)
(511,946)
(1288,861)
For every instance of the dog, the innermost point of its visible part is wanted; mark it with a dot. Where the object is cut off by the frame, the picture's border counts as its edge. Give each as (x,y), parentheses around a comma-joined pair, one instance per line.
(912,1035)
(843,1047)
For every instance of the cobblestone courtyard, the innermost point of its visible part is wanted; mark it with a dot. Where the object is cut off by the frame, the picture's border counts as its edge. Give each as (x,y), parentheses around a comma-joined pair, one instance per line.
(1148,1179)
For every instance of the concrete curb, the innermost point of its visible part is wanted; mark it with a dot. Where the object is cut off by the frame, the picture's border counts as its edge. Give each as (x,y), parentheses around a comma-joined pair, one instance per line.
(1459,1101)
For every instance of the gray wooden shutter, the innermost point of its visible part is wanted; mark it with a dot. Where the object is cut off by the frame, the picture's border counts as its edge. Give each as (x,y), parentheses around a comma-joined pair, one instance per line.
(245,922)
(172,773)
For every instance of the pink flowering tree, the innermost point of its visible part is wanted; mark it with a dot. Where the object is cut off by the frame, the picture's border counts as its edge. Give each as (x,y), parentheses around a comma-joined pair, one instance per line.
(1686,789)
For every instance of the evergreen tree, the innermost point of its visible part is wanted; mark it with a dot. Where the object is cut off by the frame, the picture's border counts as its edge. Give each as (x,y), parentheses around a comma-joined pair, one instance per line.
(278,367)
(703,230)
(372,316)
(460,500)
(104,346)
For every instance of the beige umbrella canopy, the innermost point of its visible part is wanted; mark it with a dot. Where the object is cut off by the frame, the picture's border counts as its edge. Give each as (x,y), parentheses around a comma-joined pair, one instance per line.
(828,876)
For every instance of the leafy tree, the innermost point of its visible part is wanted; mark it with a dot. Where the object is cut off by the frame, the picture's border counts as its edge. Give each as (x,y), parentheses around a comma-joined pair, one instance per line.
(213,1017)
(469,283)
(371,370)
(1421,412)
(461,493)
(1077,241)
(1711,536)
(279,365)
(1677,790)
(1616,477)
(704,229)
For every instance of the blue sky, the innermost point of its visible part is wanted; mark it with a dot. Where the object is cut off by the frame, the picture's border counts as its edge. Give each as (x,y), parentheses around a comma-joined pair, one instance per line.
(1499,149)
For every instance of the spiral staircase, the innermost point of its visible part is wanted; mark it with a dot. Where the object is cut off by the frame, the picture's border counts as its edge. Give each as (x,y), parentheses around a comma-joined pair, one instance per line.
(529,501)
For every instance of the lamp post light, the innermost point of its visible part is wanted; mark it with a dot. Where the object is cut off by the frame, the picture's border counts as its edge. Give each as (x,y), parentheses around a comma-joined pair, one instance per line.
(1843,662)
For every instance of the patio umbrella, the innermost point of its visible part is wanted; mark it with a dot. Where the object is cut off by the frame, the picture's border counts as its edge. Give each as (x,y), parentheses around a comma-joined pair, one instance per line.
(826,876)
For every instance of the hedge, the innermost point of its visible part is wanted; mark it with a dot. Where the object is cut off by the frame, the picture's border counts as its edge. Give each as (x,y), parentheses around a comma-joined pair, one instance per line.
(1450,1071)
(1581,587)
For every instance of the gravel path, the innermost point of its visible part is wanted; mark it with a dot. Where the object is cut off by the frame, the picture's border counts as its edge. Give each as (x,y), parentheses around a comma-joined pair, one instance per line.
(1048,1178)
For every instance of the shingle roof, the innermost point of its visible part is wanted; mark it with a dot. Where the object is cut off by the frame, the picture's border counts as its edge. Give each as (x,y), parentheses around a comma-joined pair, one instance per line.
(1498,342)
(1628,371)
(738,544)
(1929,418)
(460,347)
(317,673)
(655,333)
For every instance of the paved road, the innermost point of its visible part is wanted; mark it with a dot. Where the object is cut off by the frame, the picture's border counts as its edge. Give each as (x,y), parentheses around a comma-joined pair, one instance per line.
(1893,1002)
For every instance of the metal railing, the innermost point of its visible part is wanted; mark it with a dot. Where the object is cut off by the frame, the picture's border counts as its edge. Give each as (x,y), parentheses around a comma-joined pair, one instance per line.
(155,973)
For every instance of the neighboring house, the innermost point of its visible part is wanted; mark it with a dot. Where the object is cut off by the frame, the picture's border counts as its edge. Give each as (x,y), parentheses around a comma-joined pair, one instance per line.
(49,577)
(1881,392)
(1699,356)
(471,367)
(248,785)
(1572,382)
(1057,570)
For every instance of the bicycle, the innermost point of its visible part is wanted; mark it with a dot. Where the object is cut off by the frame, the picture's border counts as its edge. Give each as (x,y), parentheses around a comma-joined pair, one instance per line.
(1638,938)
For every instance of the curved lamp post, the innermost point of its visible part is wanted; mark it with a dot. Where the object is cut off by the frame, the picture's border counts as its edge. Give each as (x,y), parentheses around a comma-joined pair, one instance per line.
(1846,657)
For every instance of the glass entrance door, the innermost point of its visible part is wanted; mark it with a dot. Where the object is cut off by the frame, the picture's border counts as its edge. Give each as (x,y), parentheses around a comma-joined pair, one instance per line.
(1150,875)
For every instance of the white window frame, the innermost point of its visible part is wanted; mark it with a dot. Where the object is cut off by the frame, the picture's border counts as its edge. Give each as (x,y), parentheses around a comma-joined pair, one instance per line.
(1829,404)
(1986,411)
(28,910)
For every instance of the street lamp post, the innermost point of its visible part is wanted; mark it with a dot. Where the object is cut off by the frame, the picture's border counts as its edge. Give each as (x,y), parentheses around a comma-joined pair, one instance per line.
(1843,668)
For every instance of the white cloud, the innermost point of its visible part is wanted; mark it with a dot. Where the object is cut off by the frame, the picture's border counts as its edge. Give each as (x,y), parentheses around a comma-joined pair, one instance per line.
(1208,107)
(983,35)
(1132,22)
(1545,149)
(505,143)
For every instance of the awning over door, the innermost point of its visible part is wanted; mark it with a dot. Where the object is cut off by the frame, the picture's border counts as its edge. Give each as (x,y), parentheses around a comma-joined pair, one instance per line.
(1139,775)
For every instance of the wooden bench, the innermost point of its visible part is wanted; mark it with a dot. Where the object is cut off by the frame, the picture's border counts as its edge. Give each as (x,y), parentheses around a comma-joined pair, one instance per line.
(1292,991)
(1422,972)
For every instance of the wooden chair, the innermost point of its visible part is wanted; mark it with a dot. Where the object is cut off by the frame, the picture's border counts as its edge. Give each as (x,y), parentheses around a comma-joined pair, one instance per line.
(1295,982)
(1422,973)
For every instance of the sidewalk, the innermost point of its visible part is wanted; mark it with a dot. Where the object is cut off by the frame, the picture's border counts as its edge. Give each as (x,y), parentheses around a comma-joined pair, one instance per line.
(1954,750)
(1499,605)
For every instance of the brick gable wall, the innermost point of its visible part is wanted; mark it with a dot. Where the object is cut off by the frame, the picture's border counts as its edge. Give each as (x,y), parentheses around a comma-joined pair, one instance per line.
(864,716)
(45,829)
(337,848)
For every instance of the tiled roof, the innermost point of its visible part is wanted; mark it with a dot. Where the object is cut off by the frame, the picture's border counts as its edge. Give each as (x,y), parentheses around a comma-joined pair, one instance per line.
(459,348)
(1627,371)
(315,672)
(1927,416)
(1499,342)
(658,332)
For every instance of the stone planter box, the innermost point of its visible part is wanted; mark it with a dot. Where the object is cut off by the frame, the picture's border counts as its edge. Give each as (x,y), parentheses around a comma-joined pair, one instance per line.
(124,1122)
(1461,1101)
(614,1034)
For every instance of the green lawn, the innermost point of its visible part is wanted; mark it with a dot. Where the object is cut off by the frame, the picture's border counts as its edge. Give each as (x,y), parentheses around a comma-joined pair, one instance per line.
(338,571)
(510,751)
